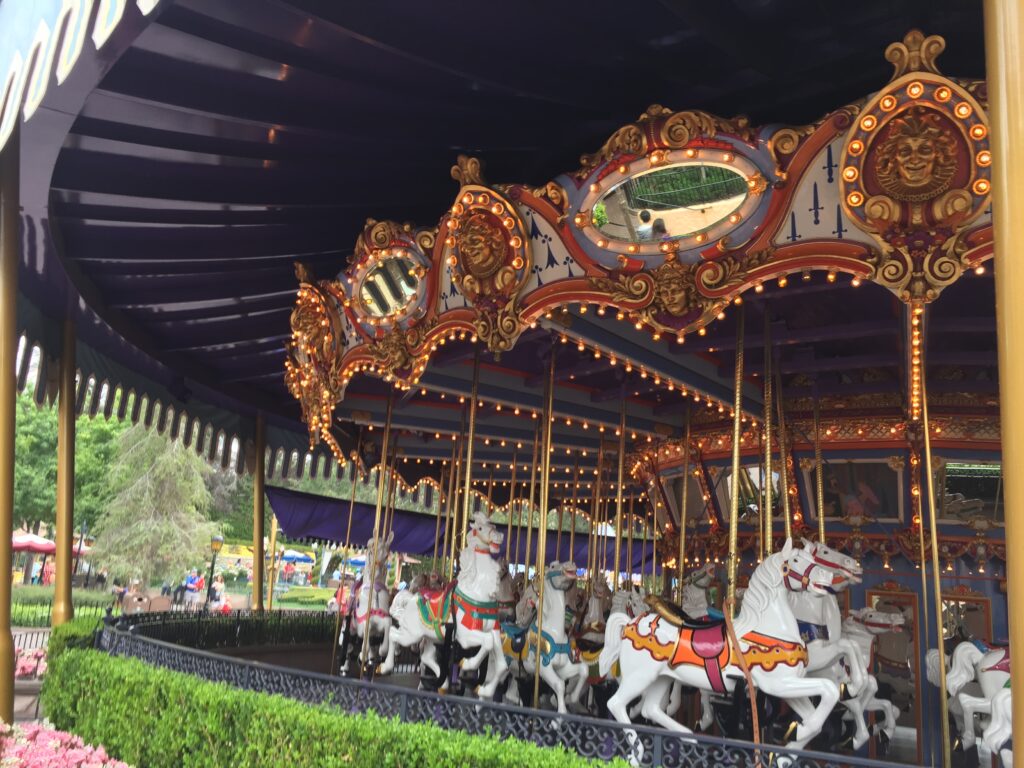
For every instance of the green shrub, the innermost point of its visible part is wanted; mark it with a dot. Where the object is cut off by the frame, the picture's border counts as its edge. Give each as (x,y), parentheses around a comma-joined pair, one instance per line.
(76,633)
(155,717)
(38,595)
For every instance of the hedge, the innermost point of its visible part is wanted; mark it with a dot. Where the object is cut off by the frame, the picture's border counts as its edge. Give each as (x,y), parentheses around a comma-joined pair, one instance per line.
(155,717)
(77,633)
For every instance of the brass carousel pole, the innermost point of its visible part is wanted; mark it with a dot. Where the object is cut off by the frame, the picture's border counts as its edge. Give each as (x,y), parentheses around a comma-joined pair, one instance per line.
(529,505)
(643,551)
(259,517)
(1004,55)
(389,510)
(818,470)
(631,524)
(787,522)
(683,503)
(511,507)
(658,583)
(440,512)
(933,530)
(617,556)
(63,608)
(572,512)
(344,552)
(766,479)
(470,438)
(734,501)
(381,479)
(451,504)
(542,534)
(594,507)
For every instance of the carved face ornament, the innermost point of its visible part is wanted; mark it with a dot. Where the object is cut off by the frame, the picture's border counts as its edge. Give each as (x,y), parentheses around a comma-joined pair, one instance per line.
(482,246)
(917,160)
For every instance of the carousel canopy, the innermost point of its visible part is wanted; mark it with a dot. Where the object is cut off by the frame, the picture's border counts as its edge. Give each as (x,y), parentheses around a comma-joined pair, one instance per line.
(190,151)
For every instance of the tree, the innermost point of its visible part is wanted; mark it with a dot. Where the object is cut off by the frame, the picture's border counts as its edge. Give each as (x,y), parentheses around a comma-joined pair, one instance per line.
(96,444)
(155,525)
(231,504)
(35,471)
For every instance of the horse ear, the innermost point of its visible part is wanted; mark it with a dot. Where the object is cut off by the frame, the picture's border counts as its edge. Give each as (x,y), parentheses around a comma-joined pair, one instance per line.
(787,548)
(808,544)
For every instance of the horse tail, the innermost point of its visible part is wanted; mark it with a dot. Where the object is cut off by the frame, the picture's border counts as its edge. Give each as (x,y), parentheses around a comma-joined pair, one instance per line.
(999,727)
(612,642)
(961,669)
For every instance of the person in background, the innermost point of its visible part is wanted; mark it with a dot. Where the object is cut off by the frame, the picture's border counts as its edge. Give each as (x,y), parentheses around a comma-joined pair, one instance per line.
(192,587)
(643,231)
(179,591)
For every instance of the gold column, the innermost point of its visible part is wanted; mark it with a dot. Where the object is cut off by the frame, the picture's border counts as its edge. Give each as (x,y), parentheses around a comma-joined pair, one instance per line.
(529,504)
(787,522)
(344,551)
(63,608)
(468,481)
(382,469)
(683,503)
(594,507)
(933,529)
(643,549)
(10,187)
(440,513)
(273,562)
(734,502)
(259,474)
(1004,57)
(389,508)
(617,556)
(572,510)
(542,534)
(766,479)
(818,480)
(511,506)
(630,525)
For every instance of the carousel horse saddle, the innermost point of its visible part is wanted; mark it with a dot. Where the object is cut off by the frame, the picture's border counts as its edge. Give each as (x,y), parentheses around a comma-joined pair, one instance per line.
(677,617)
(589,646)
(516,636)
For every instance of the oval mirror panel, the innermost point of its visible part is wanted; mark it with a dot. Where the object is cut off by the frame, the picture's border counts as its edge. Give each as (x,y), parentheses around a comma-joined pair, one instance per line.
(667,203)
(390,285)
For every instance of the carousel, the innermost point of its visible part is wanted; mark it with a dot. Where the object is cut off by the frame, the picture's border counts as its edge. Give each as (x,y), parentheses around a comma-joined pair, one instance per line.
(709,427)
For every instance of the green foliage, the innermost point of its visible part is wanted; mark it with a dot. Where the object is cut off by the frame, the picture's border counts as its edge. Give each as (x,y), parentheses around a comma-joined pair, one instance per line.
(304,597)
(600,215)
(157,718)
(32,606)
(76,633)
(35,471)
(38,595)
(155,525)
(96,442)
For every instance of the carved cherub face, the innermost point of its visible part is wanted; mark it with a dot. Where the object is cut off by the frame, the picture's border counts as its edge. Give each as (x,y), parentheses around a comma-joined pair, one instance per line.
(915,160)
(482,246)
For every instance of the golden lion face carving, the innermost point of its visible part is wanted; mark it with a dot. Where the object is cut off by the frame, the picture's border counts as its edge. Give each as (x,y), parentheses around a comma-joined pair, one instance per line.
(917,159)
(482,245)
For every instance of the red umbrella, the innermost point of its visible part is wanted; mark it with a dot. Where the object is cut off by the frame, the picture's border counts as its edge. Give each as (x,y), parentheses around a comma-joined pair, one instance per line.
(37,545)
(29,542)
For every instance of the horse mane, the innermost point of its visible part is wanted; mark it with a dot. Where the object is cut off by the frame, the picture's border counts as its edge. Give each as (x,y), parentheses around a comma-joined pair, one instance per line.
(765,578)
(467,562)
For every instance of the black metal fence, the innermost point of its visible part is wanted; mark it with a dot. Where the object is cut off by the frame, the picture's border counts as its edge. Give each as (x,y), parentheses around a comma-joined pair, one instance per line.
(601,739)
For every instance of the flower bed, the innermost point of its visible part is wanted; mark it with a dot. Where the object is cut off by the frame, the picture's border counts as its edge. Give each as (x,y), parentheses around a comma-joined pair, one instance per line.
(29,665)
(32,744)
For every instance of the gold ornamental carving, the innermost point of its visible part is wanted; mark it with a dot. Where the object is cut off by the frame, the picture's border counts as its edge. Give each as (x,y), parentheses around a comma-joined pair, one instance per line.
(659,128)
(916,172)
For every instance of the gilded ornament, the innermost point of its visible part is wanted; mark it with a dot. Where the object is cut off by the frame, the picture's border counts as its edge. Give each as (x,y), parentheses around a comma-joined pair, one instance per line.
(916,53)
(918,158)
(468,170)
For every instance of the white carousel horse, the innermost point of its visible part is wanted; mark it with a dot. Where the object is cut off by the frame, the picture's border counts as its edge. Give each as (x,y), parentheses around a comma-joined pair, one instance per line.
(931,673)
(559,662)
(1000,727)
(470,601)
(662,648)
(862,627)
(820,620)
(372,601)
(990,667)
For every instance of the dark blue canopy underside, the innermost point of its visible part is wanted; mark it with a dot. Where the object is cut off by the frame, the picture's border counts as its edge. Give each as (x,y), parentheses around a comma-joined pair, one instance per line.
(309,516)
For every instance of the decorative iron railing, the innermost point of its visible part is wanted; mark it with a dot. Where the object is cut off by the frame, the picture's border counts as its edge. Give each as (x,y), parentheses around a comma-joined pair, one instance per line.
(600,739)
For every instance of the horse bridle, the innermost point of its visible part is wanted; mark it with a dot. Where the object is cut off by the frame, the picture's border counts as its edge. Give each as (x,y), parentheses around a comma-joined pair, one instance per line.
(790,574)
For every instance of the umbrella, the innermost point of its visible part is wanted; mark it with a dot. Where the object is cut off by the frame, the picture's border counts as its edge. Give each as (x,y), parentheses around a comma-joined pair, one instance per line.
(291,556)
(30,542)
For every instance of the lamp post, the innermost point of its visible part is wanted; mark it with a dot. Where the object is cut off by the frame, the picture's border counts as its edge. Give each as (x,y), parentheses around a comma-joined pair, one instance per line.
(216,543)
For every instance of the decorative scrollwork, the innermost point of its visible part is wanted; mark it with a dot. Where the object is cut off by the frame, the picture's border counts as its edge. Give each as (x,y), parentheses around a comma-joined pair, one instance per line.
(916,53)
(626,290)
(468,170)
(731,270)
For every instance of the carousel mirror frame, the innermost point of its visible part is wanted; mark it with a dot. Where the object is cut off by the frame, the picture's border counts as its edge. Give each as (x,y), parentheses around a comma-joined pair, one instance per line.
(612,252)
(414,309)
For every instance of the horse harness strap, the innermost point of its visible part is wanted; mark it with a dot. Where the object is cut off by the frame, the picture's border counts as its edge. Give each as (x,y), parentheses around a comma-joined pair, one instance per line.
(790,576)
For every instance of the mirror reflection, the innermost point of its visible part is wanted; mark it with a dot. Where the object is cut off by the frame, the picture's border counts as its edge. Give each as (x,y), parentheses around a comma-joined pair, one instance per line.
(669,203)
(895,666)
(390,286)
(970,489)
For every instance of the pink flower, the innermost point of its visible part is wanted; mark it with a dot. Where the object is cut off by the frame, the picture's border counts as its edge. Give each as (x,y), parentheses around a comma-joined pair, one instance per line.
(41,746)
